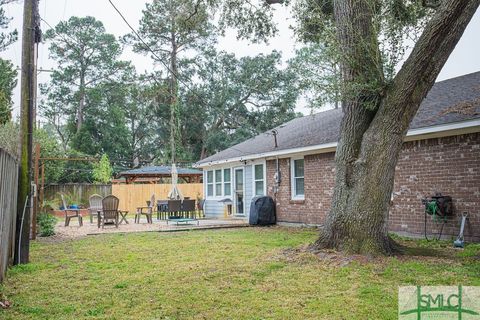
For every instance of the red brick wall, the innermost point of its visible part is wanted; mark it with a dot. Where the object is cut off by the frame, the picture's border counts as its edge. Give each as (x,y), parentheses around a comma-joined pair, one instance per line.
(319,181)
(448,165)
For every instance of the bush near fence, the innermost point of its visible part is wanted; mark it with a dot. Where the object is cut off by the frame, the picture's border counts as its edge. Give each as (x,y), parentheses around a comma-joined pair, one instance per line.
(8,209)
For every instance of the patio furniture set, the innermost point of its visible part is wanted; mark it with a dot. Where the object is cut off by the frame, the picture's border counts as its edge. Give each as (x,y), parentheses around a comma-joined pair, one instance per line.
(179,211)
(106,211)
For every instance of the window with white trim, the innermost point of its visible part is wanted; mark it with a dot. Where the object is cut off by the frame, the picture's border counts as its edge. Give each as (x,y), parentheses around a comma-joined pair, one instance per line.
(210,183)
(298,182)
(259,179)
(227,182)
(218,182)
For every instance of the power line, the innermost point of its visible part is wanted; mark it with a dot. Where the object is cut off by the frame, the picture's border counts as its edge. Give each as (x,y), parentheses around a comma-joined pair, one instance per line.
(74,40)
(148,47)
(112,160)
(172,72)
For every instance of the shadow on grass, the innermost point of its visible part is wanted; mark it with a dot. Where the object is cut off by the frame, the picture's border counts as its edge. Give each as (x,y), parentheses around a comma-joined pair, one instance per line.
(414,251)
(433,248)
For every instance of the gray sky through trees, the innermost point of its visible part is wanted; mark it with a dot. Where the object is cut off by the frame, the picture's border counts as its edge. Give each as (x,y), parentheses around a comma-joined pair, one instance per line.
(464,59)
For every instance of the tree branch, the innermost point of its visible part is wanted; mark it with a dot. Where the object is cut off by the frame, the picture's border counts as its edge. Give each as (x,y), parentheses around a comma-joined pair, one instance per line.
(418,73)
(274,1)
(431,3)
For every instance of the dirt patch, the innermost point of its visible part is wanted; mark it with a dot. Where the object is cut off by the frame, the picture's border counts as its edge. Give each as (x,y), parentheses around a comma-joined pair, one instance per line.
(334,258)
(59,237)
(306,253)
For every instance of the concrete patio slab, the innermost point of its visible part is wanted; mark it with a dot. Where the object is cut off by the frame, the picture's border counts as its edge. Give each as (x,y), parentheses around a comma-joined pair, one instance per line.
(74,230)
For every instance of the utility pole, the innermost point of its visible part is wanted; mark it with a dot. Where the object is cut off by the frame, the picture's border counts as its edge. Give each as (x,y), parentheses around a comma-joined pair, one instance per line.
(30,36)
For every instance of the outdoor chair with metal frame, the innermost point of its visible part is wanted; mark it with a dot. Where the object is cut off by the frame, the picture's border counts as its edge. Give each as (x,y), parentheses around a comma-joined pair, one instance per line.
(109,211)
(71,213)
(95,204)
(162,209)
(174,208)
(147,211)
(188,208)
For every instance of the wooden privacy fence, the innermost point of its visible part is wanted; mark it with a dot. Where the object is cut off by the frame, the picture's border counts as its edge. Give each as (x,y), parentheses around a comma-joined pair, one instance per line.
(8,209)
(79,191)
(135,195)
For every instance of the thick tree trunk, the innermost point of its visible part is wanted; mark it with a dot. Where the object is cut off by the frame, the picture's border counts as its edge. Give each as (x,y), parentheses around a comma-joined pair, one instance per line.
(81,104)
(373,127)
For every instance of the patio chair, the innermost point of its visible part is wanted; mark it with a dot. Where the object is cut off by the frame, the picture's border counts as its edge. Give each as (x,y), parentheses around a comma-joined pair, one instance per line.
(71,213)
(147,211)
(162,208)
(174,208)
(200,206)
(188,208)
(109,211)
(95,204)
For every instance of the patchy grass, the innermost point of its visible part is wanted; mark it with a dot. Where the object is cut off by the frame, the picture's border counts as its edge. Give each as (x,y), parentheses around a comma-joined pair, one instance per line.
(253,273)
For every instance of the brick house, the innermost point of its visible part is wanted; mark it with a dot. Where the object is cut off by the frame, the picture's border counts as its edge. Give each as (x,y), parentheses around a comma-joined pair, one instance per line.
(294,163)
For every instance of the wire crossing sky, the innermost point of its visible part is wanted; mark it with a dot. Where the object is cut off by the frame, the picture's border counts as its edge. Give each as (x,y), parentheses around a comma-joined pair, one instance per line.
(463,60)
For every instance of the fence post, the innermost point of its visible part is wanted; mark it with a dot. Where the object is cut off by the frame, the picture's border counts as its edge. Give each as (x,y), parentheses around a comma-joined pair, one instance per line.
(8,209)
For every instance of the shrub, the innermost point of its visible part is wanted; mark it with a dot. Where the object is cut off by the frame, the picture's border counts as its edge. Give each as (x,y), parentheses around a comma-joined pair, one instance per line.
(46,223)
(9,138)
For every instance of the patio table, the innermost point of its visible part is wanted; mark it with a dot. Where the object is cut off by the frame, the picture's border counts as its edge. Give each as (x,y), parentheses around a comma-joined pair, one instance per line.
(184,220)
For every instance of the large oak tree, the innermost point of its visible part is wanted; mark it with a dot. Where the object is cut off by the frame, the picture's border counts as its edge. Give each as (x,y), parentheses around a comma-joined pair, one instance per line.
(378,102)
(375,122)
(236,99)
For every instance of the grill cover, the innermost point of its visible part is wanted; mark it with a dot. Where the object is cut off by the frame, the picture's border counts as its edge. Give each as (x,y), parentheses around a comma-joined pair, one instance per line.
(262,211)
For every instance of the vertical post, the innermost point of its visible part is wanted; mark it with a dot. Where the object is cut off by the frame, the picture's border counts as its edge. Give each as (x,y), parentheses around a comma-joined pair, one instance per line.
(29,37)
(35,196)
(42,186)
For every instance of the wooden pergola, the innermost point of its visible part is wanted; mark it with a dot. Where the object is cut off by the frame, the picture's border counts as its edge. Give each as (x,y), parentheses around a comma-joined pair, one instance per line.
(153,174)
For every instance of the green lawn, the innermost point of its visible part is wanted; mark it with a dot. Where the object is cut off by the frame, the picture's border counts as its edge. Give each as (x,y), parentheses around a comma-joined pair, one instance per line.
(224,274)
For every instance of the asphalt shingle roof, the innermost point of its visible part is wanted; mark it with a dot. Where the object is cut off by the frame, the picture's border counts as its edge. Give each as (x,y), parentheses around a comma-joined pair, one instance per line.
(449,101)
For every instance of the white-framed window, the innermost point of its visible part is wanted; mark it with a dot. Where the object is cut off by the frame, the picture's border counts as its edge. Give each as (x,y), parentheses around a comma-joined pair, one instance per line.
(297,178)
(210,183)
(227,182)
(259,179)
(218,182)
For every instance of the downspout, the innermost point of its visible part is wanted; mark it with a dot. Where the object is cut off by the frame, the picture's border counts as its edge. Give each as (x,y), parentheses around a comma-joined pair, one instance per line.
(277,179)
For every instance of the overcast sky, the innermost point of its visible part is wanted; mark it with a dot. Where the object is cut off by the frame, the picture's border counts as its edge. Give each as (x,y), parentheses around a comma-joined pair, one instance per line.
(465,59)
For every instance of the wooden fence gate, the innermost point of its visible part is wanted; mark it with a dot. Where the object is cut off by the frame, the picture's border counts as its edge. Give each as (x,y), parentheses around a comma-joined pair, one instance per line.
(8,209)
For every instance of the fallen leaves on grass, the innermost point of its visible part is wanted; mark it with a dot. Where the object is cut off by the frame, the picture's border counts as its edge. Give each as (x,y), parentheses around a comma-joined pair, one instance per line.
(306,253)
(4,303)
(410,252)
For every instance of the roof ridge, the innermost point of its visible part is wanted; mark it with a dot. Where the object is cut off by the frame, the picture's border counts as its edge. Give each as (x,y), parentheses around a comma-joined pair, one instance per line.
(323,126)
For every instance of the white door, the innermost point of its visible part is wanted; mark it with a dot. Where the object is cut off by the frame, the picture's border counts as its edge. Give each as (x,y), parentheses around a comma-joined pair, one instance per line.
(239,192)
